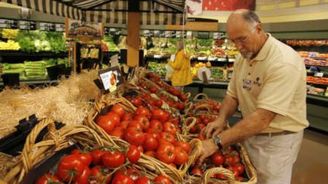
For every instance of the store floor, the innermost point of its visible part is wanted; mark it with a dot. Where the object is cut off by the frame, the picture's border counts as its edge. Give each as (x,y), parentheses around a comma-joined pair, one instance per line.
(311,166)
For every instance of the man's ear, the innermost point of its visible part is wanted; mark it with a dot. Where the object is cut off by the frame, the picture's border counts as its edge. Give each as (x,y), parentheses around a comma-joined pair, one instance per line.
(258,27)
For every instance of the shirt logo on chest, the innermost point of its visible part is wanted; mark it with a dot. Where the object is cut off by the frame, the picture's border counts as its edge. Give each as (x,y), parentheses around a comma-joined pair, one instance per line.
(249,83)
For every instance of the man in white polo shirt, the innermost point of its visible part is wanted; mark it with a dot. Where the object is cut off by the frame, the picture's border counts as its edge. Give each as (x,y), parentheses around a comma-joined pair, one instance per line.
(269,87)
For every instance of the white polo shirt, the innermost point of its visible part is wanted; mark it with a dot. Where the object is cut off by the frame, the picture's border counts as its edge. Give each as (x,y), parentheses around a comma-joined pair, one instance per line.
(274,80)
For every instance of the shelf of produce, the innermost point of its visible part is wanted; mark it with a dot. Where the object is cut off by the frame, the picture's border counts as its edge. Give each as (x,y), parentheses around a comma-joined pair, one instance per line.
(35,82)
(40,54)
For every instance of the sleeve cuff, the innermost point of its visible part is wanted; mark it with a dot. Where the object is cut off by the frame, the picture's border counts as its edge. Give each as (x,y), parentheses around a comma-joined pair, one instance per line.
(272,109)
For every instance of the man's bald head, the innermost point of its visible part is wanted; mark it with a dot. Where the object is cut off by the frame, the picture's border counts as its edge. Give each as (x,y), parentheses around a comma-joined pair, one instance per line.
(244,15)
(245,30)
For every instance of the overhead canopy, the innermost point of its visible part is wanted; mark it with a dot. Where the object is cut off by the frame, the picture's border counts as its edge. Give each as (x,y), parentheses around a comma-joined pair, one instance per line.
(153,12)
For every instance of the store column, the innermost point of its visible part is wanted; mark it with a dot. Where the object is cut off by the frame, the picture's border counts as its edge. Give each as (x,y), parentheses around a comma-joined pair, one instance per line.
(133,40)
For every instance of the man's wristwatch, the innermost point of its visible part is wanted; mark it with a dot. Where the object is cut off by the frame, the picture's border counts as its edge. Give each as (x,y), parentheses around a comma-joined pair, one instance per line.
(217,141)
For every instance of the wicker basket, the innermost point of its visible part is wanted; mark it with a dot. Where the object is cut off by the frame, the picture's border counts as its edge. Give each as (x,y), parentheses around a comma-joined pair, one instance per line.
(147,162)
(33,153)
(207,176)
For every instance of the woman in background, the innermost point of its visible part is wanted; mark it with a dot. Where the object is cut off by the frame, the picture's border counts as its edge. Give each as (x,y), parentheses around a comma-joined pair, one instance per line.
(181,75)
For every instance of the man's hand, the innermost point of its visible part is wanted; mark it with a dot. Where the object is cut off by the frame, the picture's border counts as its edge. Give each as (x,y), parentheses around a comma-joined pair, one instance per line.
(208,148)
(214,128)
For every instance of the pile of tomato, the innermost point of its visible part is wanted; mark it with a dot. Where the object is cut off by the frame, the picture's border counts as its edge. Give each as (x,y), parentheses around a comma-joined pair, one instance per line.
(228,158)
(100,166)
(164,86)
(208,105)
(180,105)
(153,131)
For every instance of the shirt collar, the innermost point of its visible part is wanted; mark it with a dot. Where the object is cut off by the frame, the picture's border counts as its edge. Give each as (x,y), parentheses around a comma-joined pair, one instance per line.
(264,50)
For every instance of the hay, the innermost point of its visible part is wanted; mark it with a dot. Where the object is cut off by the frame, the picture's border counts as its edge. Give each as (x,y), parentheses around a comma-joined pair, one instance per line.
(67,102)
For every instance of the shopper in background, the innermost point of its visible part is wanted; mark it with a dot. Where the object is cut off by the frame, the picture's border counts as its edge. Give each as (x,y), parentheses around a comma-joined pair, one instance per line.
(269,87)
(181,75)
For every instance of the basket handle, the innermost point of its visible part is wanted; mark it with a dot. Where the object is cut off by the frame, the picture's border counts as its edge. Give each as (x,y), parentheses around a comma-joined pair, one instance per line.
(197,97)
(218,170)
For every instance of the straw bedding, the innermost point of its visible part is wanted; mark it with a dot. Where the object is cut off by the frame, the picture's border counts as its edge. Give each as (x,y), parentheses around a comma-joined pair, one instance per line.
(68,102)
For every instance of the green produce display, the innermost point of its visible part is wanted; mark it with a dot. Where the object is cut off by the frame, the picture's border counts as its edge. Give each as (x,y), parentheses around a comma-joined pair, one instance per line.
(158,68)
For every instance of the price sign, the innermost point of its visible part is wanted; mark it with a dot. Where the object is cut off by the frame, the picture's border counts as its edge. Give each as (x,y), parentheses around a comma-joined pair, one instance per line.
(24,24)
(168,34)
(318,74)
(60,27)
(3,23)
(32,25)
(106,30)
(13,24)
(189,34)
(47,27)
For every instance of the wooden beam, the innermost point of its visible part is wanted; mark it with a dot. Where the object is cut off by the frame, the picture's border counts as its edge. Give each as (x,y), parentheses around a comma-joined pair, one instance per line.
(133,38)
(195,26)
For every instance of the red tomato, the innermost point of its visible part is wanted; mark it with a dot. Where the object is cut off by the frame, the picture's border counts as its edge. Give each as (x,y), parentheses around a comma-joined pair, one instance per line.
(134,137)
(156,125)
(239,167)
(137,101)
(114,116)
(143,111)
(160,115)
(133,173)
(150,142)
(167,136)
(98,176)
(196,171)
(143,120)
(107,123)
(75,151)
(70,167)
(113,159)
(150,153)
(85,157)
(169,127)
(158,103)
(166,152)
(153,89)
(184,145)
(127,116)
(135,125)
(84,177)
(133,154)
(234,170)
(48,179)
(180,106)
(121,178)
(96,156)
(118,109)
(218,159)
(232,159)
(142,180)
(117,132)
(181,156)
(161,179)
(124,124)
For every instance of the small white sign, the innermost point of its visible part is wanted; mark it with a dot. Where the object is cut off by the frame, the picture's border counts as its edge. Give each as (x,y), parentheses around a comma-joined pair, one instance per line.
(318,74)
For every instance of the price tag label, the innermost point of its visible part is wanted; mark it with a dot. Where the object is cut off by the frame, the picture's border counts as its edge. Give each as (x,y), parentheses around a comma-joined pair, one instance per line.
(318,74)
(157,56)
(60,27)
(3,21)
(189,34)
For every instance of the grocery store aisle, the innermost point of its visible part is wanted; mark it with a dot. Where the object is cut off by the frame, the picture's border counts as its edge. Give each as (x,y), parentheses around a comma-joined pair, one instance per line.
(312,163)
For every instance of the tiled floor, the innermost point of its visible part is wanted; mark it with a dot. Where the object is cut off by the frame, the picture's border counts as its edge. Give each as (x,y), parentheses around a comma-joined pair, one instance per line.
(311,166)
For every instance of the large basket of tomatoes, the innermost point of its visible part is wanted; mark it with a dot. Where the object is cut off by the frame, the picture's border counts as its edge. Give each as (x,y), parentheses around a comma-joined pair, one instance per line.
(154,131)
(201,103)
(229,165)
(97,160)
